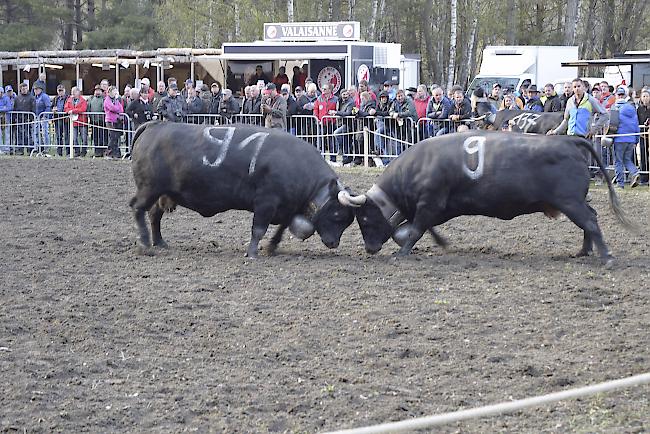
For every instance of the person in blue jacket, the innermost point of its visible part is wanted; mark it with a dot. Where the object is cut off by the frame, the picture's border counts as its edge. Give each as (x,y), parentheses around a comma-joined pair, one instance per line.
(6,105)
(628,123)
(41,130)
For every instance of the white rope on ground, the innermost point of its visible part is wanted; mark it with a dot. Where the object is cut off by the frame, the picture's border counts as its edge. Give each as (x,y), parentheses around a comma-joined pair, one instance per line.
(349,133)
(504,407)
(102,127)
(391,138)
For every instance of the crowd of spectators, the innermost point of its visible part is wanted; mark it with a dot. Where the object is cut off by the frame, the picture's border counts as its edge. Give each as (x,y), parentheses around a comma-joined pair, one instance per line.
(394,114)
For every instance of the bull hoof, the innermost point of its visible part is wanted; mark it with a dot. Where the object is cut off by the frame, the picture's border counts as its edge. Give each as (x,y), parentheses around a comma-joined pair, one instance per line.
(161,244)
(271,249)
(251,255)
(583,253)
(609,263)
(145,251)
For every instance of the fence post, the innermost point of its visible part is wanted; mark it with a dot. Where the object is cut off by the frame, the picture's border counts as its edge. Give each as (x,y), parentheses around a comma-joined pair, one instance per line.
(366,146)
(71,137)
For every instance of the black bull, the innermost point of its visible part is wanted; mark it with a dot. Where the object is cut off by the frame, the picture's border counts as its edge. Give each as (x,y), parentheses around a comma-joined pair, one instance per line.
(520,121)
(495,174)
(210,169)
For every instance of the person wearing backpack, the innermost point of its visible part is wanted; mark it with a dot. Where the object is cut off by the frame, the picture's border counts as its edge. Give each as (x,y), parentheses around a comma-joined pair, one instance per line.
(626,124)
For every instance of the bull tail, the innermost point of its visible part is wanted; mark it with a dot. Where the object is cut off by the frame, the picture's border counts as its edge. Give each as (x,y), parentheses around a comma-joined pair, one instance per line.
(140,130)
(613,197)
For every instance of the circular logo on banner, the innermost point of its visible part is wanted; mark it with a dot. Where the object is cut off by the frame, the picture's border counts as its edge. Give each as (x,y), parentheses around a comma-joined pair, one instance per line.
(348,31)
(329,75)
(271,32)
(363,73)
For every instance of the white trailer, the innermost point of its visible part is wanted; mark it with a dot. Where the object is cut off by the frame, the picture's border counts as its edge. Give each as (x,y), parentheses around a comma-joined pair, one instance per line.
(511,66)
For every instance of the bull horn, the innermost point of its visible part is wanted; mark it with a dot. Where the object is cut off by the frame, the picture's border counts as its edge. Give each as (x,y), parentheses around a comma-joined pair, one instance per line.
(354,201)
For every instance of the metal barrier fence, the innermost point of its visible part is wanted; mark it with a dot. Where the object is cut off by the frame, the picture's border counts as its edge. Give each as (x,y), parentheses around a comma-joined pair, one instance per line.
(205,119)
(428,127)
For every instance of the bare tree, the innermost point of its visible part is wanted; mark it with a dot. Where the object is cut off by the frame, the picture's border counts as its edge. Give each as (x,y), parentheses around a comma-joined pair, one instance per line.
(452,43)
(290,11)
(373,20)
(510,22)
(571,22)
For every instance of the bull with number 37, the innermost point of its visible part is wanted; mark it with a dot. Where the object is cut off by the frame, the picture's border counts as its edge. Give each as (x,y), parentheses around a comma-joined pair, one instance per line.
(210,169)
(495,174)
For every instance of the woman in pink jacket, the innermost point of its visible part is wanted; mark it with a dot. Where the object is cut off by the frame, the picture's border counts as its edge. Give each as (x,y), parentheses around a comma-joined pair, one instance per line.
(113,108)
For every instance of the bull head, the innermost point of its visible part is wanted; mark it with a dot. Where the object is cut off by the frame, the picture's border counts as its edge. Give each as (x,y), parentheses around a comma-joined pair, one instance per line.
(346,199)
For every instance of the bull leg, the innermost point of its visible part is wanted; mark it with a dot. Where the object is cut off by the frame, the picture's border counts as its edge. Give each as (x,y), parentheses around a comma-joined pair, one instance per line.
(155,216)
(140,203)
(275,240)
(262,216)
(585,218)
(439,239)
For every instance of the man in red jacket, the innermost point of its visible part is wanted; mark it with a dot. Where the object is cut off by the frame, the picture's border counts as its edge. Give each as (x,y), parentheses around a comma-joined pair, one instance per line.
(326,106)
(76,106)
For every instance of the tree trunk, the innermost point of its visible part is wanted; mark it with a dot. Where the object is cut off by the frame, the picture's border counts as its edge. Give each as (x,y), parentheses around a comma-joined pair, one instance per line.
(77,22)
(608,28)
(351,6)
(473,41)
(290,11)
(510,22)
(373,20)
(427,30)
(237,22)
(452,43)
(91,15)
(68,27)
(571,22)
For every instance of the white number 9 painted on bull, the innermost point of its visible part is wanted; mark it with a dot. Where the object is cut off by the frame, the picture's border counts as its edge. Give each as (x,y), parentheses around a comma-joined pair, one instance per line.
(224,145)
(474,152)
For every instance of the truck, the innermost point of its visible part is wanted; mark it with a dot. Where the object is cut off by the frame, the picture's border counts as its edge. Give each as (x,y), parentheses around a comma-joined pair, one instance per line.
(514,65)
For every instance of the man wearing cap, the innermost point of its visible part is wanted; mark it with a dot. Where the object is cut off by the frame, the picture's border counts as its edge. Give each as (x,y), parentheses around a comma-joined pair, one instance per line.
(43,104)
(534,103)
(61,128)
(76,106)
(229,105)
(24,104)
(172,107)
(188,84)
(215,95)
(6,105)
(274,109)
(579,112)
(97,121)
(390,91)
(624,145)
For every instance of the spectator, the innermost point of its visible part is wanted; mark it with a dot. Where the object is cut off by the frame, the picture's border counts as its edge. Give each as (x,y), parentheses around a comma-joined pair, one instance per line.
(324,106)
(365,118)
(41,82)
(568,93)
(292,105)
(344,110)
(104,85)
(6,105)
(254,105)
(307,101)
(10,132)
(281,78)
(401,110)
(595,92)
(510,102)
(534,103)
(579,113)
(146,85)
(421,101)
(495,97)
(522,95)
(607,100)
(61,129)
(259,75)
(461,108)
(189,83)
(215,97)
(43,104)
(139,110)
(439,109)
(76,106)
(363,87)
(171,80)
(228,106)
(206,98)
(173,107)
(298,79)
(382,112)
(389,89)
(97,122)
(161,92)
(194,103)
(25,104)
(113,108)
(628,123)
(551,101)
(274,109)
(126,97)
(643,113)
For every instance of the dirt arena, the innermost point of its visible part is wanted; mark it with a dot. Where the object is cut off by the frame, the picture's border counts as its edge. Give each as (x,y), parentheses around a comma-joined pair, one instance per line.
(200,339)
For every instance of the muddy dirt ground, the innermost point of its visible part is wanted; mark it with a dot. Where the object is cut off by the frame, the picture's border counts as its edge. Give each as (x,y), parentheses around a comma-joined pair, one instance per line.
(95,338)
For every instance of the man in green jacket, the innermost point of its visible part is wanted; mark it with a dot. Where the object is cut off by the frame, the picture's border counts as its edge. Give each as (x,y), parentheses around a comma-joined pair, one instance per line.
(96,119)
